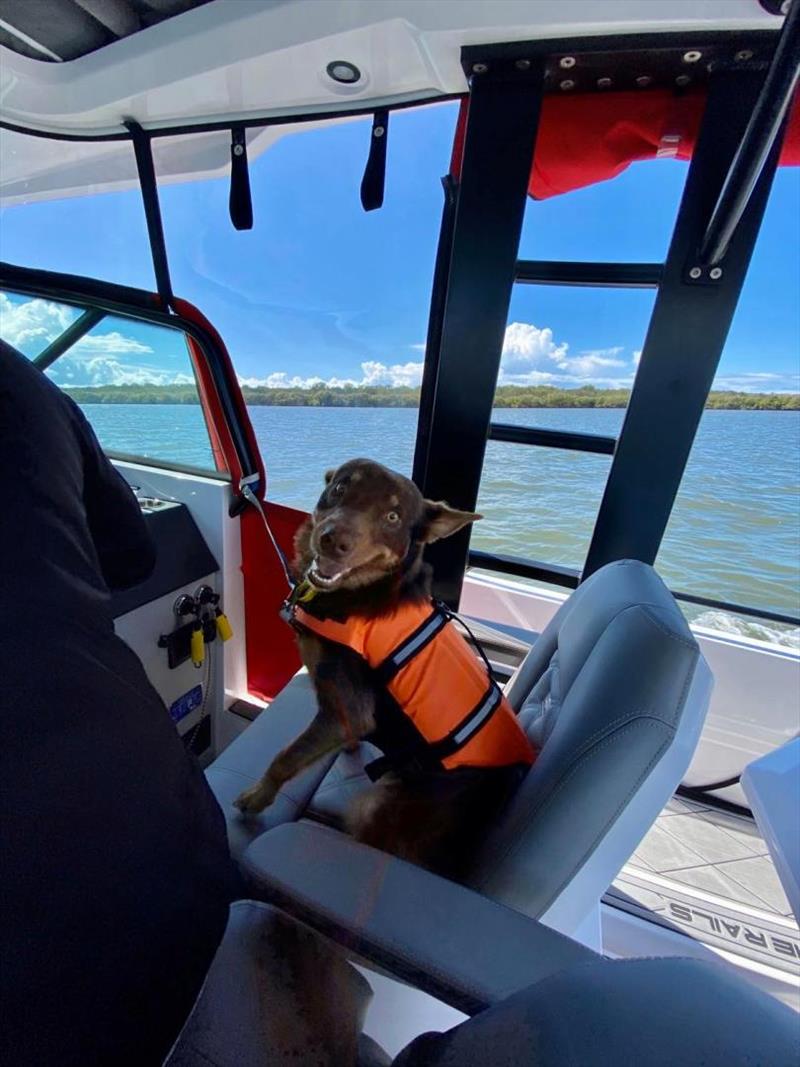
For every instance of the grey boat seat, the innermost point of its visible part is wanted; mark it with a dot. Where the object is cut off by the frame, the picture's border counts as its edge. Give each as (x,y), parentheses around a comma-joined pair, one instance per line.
(279,991)
(613,693)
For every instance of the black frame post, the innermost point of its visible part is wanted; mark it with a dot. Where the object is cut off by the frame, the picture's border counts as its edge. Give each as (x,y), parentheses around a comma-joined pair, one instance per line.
(498,154)
(73,333)
(433,341)
(152,209)
(763,129)
(684,342)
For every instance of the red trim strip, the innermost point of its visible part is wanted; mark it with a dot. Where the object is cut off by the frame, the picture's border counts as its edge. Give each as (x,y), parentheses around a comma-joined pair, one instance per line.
(457,155)
(193,314)
(272,656)
(212,412)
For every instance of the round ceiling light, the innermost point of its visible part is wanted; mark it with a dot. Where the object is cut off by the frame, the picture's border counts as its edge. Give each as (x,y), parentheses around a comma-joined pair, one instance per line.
(343,72)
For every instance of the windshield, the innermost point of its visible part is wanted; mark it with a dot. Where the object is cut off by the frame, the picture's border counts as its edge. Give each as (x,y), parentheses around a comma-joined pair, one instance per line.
(324,309)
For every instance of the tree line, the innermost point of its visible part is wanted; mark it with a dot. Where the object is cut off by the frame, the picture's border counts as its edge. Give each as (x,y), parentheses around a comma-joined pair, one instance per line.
(507,396)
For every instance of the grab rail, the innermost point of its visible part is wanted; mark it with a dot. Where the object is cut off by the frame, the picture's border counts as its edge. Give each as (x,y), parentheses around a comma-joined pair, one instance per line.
(760,136)
(596,275)
(572,440)
(569,578)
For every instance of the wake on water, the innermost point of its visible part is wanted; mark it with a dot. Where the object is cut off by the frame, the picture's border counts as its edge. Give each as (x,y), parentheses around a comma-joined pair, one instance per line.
(737,626)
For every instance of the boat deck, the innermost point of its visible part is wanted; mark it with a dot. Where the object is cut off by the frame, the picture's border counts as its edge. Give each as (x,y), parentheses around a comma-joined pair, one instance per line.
(709,874)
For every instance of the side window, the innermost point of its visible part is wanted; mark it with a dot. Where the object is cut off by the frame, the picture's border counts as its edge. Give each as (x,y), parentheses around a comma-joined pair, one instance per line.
(133,380)
(734,533)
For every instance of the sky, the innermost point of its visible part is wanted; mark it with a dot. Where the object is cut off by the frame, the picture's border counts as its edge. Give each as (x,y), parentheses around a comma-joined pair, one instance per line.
(319,290)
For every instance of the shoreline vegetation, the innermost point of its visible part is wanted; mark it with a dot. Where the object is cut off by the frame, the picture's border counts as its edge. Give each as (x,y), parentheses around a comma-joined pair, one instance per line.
(507,396)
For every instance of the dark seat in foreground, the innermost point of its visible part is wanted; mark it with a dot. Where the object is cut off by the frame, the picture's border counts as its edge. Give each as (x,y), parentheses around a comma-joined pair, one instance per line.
(279,994)
(614,692)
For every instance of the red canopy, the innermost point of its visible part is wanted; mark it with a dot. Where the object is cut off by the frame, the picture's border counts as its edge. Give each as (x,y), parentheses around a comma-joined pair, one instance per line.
(590,138)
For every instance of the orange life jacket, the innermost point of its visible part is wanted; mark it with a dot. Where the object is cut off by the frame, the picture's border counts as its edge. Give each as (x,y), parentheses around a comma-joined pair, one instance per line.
(460,716)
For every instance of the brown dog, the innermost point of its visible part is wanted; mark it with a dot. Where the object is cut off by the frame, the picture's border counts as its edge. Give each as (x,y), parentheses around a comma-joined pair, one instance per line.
(360,556)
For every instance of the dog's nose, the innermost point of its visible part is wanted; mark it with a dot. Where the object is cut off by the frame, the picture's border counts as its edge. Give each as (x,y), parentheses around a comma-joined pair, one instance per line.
(335,541)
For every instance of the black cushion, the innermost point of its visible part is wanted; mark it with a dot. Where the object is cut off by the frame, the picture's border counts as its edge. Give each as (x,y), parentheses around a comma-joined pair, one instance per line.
(625,1013)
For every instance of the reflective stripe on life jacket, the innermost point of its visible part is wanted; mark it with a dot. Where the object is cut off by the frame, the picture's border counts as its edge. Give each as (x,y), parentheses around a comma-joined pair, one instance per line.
(430,671)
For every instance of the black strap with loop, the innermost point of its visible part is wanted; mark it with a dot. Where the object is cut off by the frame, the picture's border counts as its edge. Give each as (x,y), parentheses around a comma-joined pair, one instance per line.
(240,201)
(373,182)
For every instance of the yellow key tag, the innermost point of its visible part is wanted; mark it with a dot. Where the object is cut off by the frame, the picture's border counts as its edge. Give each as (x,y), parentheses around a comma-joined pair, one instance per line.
(224,628)
(198,647)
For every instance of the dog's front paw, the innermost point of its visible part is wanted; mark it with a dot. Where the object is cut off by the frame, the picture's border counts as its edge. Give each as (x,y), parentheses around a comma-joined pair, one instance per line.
(255,799)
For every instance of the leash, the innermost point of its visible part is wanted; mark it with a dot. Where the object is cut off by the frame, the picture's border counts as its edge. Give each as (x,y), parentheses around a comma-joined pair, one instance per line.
(299,592)
(454,617)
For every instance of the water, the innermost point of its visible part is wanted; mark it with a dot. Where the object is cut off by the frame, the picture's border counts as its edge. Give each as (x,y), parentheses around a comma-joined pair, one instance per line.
(734,533)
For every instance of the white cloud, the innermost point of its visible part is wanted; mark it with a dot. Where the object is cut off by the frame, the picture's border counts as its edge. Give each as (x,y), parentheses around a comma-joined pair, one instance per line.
(34,323)
(531,356)
(105,370)
(397,374)
(113,343)
(419,348)
(372,373)
(527,348)
(281,380)
(97,359)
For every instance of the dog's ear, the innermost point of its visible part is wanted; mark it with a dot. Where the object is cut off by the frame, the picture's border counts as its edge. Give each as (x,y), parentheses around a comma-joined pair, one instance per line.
(329,475)
(440,520)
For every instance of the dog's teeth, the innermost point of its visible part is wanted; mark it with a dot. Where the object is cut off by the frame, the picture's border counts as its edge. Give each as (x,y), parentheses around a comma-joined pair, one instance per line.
(323,579)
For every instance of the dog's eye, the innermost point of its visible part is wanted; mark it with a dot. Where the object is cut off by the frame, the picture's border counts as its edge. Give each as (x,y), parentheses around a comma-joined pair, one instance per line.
(338,489)
(393,517)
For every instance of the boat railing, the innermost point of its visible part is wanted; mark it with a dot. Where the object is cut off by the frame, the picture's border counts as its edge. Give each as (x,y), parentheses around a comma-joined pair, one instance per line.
(569,578)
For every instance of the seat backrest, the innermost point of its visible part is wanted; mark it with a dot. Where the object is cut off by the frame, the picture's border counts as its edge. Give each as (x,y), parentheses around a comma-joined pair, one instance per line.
(614,694)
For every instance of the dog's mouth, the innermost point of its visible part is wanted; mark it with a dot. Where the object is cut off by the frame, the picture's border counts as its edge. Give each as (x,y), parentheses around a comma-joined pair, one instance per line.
(324,577)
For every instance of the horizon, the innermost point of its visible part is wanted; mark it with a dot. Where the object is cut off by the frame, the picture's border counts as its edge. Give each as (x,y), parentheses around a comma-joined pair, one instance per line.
(408,396)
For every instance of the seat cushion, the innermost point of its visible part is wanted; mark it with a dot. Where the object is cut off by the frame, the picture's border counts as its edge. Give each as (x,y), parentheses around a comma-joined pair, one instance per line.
(276,993)
(245,760)
(341,785)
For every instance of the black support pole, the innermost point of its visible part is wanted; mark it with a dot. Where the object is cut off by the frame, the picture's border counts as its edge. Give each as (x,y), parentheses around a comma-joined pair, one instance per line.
(684,342)
(152,209)
(433,341)
(498,153)
(73,333)
(763,129)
